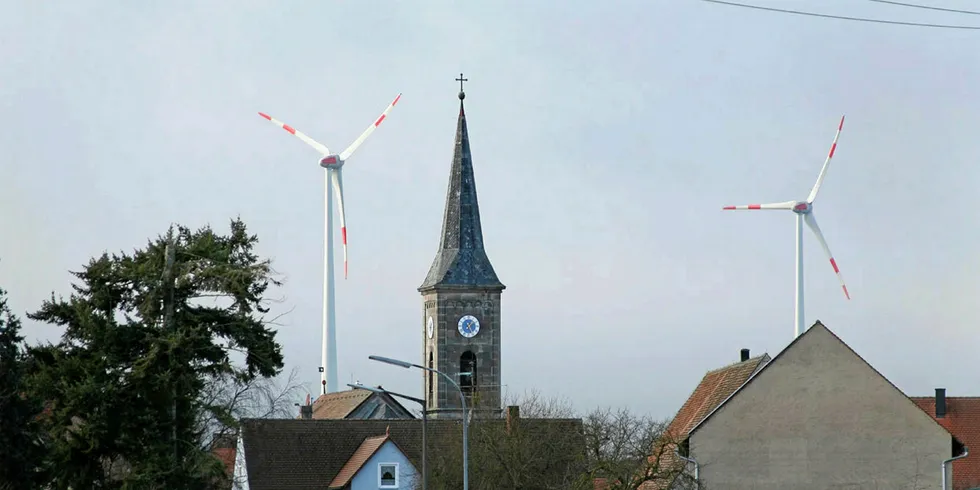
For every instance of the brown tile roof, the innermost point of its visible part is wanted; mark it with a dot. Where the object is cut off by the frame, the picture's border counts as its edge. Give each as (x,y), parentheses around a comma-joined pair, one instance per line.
(340,404)
(715,387)
(963,421)
(357,460)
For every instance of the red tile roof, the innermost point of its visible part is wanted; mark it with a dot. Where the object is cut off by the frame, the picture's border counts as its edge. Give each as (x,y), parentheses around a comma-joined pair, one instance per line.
(963,421)
(715,387)
(227,457)
(357,460)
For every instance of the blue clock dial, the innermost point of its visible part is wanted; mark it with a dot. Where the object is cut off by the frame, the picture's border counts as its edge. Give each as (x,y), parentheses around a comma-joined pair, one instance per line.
(468,326)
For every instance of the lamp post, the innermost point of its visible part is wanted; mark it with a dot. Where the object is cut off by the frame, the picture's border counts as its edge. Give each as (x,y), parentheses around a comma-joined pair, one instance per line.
(425,418)
(462,399)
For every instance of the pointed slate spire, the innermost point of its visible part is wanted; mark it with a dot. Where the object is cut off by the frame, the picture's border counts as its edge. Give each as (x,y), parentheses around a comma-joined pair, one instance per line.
(461,260)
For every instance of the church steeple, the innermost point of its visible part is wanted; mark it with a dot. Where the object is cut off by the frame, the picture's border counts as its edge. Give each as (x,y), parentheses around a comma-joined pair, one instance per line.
(461,301)
(461,260)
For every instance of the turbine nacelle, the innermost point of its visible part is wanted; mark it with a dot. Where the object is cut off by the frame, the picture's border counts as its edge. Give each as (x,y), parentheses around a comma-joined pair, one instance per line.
(331,161)
(802,207)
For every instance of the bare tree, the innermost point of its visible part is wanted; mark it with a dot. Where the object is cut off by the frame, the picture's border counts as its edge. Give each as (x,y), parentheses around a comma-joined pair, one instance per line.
(227,400)
(541,449)
(627,451)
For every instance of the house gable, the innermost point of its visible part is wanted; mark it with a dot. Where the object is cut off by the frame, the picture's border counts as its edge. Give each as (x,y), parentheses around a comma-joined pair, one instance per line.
(387,456)
(818,413)
(811,360)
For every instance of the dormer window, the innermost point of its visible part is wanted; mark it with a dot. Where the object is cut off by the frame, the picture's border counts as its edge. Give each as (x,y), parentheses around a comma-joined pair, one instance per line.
(388,475)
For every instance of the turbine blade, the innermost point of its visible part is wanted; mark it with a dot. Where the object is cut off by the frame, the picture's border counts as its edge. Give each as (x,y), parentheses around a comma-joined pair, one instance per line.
(367,132)
(306,139)
(826,163)
(811,221)
(337,179)
(788,205)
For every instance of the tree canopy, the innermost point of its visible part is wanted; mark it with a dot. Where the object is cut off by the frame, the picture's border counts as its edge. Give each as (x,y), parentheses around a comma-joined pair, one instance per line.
(147,335)
(21,450)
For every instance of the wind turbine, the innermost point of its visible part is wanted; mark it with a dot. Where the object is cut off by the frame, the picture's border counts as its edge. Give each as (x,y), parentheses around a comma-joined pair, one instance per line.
(804,213)
(333,182)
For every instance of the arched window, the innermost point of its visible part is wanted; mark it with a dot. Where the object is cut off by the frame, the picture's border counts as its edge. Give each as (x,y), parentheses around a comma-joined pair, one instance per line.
(430,379)
(467,372)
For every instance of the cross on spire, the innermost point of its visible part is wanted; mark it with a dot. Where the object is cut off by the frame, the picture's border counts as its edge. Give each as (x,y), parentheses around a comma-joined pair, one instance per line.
(462,95)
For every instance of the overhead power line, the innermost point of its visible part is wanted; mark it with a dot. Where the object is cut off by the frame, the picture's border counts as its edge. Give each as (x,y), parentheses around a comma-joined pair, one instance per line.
(927,7)
(842,17)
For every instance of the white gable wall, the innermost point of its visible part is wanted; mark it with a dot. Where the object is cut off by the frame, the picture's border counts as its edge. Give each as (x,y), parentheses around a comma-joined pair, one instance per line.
(368,478)
(241,470)
(819,417)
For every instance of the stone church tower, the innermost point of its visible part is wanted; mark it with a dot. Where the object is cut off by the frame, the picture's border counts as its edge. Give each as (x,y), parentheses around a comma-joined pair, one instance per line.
(461,297)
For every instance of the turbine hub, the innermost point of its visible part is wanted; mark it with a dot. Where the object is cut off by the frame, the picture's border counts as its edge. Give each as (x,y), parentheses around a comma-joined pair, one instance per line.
(802,207)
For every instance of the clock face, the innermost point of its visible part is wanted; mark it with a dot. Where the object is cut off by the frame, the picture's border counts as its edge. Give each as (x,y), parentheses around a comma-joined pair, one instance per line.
(430,327)
(469,326)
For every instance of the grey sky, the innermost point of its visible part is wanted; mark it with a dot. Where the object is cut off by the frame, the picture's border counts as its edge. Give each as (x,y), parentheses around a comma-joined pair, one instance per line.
(606,136)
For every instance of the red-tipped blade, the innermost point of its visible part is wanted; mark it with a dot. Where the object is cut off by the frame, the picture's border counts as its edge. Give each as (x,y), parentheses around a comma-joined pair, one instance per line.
(811,221)
(367,132)
(291,130)
(788,205)
(337,180)
(826,164)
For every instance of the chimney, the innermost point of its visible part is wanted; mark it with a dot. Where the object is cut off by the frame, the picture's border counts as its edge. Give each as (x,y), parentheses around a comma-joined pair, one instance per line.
(940,403)
(513,416)
(745,355)
(306,412)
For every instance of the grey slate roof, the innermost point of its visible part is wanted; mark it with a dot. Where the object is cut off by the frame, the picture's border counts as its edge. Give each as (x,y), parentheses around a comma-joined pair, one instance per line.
(461,259)
(291,454)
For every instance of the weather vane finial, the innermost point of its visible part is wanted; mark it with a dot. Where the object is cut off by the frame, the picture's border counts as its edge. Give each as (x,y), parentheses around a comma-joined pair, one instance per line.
(462,95)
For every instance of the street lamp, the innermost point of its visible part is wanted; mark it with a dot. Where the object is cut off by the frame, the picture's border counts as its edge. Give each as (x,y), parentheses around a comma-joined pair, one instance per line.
(425,418)
(462,399)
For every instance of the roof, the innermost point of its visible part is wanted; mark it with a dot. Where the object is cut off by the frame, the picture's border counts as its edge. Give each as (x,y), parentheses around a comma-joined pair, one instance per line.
(963,421)
(358,459)
(340,404)
(354,403)
(715,387)
(817,326)
(227,457)
(294,454)
(461,260)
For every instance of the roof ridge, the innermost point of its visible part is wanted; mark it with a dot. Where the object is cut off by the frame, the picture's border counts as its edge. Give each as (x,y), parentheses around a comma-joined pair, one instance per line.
(933,397)
(737,363)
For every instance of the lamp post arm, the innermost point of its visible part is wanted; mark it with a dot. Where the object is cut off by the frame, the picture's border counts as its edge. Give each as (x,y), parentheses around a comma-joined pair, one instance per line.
(407,397)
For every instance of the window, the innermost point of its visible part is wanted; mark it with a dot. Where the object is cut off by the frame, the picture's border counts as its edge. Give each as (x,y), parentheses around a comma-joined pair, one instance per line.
(388,475)
(430,379)
(467,372)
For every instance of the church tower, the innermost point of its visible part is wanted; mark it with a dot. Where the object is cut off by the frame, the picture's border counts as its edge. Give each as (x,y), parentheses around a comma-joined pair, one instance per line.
(461,298)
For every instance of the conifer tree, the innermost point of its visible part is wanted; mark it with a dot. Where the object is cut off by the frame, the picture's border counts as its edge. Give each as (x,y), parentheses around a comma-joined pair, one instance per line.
(20,452)
(144,333)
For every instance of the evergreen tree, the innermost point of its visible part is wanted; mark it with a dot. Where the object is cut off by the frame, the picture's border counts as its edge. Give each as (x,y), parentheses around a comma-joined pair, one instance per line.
(144,334)
(20,455)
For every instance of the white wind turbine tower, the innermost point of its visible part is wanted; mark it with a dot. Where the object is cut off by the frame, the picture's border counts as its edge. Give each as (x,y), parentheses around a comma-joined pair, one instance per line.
(333,182)
(804,212)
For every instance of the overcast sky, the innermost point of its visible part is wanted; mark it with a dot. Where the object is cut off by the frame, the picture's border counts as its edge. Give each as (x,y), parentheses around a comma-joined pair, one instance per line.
(606,137)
